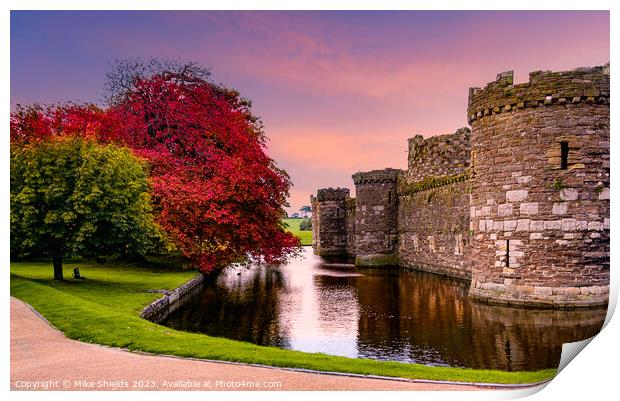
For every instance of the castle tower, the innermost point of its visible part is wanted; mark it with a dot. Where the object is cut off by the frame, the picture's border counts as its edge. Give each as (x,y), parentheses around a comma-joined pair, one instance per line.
(376,220)
(540,200)
(329,222)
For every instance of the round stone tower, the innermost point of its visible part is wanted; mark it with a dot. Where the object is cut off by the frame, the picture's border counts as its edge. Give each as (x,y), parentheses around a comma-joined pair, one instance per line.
(540,202)
(329,222)
(376,219)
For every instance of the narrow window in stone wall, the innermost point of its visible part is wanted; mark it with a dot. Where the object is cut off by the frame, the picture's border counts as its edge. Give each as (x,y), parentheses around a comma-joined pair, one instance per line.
(564,155)
(507,253)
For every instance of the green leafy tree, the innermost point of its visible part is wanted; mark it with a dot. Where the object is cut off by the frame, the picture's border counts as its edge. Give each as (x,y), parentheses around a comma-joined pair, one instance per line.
(305,210)
(74,197)
(305,225)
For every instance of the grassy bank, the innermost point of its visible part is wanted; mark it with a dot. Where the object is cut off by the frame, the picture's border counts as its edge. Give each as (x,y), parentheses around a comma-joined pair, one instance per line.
(105,309)
(304,236)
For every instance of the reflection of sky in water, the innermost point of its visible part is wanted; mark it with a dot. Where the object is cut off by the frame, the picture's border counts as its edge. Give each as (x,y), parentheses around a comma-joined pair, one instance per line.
(400,315)
(320,319)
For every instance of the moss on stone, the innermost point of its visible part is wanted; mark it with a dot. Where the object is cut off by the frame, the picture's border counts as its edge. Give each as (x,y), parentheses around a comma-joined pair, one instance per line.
(558,185)
(331,252)
(406,188)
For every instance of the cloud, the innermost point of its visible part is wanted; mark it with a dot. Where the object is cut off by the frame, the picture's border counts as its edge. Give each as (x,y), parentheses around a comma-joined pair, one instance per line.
(338,91)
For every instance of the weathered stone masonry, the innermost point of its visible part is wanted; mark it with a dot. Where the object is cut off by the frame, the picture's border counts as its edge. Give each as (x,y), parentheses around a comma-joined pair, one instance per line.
(519,205)
(329,223)
(433,210)
(376,220)
(159,309)
(540,199)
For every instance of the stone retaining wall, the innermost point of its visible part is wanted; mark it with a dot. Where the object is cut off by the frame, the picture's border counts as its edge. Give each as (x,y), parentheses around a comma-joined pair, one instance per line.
(158,310)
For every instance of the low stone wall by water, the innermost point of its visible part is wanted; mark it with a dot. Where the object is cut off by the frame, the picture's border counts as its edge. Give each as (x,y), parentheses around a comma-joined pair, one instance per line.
(158,310)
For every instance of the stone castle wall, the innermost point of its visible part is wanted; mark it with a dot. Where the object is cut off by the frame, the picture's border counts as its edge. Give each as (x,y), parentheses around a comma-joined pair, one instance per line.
(329,225)
(438,156)
(541,226)
(376,219)
(350,226)
(434,230)
(314,218)
(433,215)
(520,204)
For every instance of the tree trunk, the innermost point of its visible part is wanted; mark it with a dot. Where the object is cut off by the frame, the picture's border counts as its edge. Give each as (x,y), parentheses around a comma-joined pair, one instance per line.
(57,261)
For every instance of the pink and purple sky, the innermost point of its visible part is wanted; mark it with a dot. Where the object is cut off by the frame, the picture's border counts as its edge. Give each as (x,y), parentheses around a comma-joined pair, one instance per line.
(339,92)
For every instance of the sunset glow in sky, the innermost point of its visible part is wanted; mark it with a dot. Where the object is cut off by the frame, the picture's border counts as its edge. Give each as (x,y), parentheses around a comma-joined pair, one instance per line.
(339,92)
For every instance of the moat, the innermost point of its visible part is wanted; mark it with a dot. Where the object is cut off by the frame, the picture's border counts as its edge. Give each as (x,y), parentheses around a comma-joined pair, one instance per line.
(386,314)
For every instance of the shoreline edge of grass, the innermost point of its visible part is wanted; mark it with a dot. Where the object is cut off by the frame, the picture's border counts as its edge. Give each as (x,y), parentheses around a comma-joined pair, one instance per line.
(105,309)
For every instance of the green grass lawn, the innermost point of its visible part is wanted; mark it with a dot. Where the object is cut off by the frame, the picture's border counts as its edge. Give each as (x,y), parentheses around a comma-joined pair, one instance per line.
(105,309)
(304,236)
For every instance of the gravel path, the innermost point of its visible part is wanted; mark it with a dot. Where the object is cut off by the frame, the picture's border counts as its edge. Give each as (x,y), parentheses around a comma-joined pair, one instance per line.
(42,358)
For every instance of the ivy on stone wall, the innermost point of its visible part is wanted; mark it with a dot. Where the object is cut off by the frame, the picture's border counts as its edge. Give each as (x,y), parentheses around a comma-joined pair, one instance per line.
(406,188)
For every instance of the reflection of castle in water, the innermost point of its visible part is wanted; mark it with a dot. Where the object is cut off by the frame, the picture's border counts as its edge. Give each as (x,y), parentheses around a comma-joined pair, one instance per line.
(380,314)
(432,321)
(334,294)
(241,304)
(531,336)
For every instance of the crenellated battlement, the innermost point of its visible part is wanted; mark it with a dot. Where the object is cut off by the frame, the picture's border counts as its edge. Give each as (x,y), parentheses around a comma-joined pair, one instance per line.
(333,194)
(376,176)
(544,88)
(438,156)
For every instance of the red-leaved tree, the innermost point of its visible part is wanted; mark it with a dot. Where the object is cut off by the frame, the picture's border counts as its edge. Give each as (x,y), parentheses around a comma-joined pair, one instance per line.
(217,194)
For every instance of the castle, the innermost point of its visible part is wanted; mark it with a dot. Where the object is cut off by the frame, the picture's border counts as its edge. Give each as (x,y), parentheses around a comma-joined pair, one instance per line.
(518,205)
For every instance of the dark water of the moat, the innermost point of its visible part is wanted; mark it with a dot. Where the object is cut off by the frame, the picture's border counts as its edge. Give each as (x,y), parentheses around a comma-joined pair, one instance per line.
(396,315)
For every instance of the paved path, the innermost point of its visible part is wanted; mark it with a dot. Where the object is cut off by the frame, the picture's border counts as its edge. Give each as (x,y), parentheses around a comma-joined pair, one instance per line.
(44,358)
